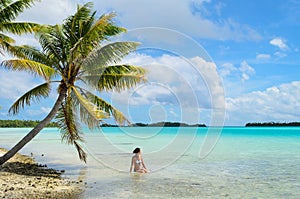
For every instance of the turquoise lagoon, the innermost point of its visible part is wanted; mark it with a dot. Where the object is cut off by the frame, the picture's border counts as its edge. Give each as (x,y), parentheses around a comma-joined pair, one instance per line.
(188,162)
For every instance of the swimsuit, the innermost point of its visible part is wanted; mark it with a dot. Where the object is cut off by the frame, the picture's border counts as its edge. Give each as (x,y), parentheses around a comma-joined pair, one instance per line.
(139,162)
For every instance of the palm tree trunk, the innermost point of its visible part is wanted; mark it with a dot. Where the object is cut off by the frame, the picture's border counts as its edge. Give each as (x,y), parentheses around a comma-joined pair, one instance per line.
(34,131)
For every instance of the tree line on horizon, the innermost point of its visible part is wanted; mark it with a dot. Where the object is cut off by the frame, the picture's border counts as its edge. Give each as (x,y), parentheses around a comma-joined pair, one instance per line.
(273,124)
(23,123)
(33,123)
(158,124)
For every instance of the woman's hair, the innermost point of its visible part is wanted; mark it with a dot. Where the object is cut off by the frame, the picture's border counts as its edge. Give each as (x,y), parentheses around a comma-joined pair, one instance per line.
(136,150)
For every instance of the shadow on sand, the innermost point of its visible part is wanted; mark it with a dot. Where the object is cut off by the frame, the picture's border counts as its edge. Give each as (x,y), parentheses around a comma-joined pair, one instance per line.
(30,169)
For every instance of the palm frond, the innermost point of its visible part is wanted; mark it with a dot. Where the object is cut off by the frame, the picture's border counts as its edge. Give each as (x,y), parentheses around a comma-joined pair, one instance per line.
(108,108)
(5,42)
(54,45)
(87,109)
(85,117)
(109,54)
(67,122)
(82,154)
(117,78)
(83,13)
(69,126)
(34,94)
(11,10)
(19,27)
(30,53)
(111,29)
(91,33)
(30,66)
(5,38)
(71,26)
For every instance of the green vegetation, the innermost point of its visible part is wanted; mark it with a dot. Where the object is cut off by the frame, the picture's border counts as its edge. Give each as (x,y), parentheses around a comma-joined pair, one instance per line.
(265,124)
(9,11)
(74,56)
(22,123)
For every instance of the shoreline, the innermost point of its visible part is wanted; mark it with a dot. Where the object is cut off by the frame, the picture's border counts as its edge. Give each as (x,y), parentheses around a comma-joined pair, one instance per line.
(23,177)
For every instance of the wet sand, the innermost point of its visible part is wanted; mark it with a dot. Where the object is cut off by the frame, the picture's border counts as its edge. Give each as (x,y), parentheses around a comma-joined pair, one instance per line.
(22,177)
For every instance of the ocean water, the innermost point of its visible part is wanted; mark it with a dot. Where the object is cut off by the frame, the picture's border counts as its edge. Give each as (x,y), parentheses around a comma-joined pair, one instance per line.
(229,162)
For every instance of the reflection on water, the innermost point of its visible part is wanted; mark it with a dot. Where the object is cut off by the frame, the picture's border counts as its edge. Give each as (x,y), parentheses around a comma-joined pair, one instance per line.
(82,176)
(137,177)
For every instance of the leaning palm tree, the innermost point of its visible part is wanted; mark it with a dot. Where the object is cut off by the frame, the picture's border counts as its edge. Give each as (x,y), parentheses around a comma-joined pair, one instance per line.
(78,58)
(9,11)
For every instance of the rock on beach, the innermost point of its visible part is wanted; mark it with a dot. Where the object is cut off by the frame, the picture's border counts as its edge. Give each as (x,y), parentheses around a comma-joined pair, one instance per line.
(22,177)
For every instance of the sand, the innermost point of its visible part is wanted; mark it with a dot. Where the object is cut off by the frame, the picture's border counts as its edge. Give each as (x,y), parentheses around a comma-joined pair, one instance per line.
(22,177)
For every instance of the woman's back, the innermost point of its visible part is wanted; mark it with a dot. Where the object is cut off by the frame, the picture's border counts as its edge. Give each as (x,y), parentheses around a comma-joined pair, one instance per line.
(137,162)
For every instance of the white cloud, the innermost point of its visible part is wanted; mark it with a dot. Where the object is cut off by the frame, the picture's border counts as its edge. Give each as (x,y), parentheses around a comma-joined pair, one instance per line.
(45,109)
(277,103)
(246,70)
(49,11)
(45,12)
(141,13)
(279,42)
(227,69)
(185,85)
(263,57)
(14,84)
(134,14)
(279,54)
(243,72)
(38,112)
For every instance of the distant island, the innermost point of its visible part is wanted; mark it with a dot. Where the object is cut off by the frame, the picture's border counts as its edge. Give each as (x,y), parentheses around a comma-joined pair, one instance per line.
(159,124)
(266,124)
(22,123)
(33,123)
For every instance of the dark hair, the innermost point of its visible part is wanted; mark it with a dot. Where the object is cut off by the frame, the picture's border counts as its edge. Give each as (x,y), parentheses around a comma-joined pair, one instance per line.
(136,150)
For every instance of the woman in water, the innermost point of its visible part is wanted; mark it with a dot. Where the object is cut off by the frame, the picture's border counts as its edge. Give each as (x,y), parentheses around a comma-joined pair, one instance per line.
(137,163)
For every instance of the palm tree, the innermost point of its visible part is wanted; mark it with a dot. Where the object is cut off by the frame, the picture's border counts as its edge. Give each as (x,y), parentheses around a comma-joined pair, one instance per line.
(9,11)
(75,56)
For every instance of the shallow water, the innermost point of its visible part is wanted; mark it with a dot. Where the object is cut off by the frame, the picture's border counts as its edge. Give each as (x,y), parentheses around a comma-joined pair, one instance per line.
(244,162)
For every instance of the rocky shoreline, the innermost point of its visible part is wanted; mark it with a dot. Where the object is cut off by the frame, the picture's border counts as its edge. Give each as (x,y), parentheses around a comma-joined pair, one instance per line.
(22,177)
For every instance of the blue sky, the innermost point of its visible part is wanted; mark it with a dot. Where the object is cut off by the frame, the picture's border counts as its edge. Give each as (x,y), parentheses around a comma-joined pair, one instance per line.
(214,62)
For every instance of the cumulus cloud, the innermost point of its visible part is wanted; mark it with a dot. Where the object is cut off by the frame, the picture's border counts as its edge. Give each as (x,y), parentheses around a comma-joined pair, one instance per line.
(189,86)
(45,12)
(243,72)
(280,43)
(134,14)
(49,11)
(179,16)
(277,103)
